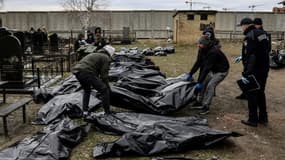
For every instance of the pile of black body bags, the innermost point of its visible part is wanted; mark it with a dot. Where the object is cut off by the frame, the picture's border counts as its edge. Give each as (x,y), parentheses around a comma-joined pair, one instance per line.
(147,129)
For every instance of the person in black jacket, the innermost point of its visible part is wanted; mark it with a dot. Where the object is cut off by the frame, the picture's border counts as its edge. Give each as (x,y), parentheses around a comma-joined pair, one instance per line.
(99,40)
(255,60)
(92,71)
(209,32)
(90,37)
(213,66)
(258,25)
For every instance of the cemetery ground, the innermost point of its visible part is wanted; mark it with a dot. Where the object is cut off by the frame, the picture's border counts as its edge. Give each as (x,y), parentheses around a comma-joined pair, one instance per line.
(261,143)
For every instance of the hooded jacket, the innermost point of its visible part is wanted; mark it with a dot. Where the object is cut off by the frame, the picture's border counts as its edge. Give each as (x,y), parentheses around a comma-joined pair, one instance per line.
(210,59)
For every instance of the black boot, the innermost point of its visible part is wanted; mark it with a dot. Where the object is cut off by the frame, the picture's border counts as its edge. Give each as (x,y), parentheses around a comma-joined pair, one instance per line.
(249,123)
(242,96)
(263,120)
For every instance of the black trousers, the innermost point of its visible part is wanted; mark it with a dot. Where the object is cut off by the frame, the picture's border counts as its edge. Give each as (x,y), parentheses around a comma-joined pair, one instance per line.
(88,80)
(257,101)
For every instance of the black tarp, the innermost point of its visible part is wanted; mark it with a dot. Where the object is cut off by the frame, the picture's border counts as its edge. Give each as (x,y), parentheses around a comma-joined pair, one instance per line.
(168,99)
(117,72)
(125,122)
(277,59)
(69,85)
(152,134)
(65,105)
(182,158)
(54,142)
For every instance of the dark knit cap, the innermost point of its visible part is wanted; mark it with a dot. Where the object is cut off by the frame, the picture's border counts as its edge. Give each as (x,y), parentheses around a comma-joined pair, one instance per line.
(257,21)
(97,30)
(245,21)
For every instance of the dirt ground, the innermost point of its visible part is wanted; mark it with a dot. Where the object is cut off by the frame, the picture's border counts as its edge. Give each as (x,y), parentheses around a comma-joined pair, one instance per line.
(261,143)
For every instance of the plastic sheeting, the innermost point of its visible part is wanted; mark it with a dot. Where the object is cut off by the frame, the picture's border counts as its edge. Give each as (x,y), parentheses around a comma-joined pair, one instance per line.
(277,59)
(151,134)
(53,143)
(144,86)
(123,70)
(65,105)
(121,123)
(174,158)
(169,98)
(69,85)
(182,158)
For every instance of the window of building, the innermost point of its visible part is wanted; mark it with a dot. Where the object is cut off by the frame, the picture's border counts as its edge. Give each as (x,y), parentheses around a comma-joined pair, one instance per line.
(204,17)
(0,22)
(203,26)
(190,17)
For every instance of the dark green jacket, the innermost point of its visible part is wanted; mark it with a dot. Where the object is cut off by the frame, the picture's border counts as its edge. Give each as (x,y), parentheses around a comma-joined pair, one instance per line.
(95,63)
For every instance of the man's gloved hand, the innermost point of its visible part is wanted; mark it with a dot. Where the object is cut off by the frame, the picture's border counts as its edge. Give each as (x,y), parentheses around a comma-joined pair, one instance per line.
(189,77)
(85,114)
(238,59)
(198,86)
(244,80)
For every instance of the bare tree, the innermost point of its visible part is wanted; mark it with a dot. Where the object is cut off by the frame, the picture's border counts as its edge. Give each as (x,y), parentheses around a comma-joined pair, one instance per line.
(83,8)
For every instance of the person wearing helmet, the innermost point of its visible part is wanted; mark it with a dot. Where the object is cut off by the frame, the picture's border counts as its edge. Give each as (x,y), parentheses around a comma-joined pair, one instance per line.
(92,71)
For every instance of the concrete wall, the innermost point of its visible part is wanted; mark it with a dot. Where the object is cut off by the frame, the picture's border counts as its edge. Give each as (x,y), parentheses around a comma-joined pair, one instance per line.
(226,22)
(186,31)
(145,24)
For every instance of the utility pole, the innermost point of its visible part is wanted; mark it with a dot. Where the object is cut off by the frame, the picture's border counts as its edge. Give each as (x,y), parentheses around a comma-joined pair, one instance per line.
(190,2)
(253,6)
(207,7)
(226,9)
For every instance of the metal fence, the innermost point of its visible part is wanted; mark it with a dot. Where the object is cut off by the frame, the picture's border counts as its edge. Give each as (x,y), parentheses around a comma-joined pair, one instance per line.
(40,69)
(229,35)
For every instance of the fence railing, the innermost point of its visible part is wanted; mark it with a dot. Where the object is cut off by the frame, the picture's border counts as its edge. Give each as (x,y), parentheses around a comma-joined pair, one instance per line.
(43,68)
(229,35)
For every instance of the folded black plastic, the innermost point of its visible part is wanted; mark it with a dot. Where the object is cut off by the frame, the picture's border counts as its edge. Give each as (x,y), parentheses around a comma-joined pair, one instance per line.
(125,122)
(69,85)
(54,142)
(168,99)
(277,59)
(142,85)
(174,158)
(151,134)
(121,71)
(182,158)
(65,105)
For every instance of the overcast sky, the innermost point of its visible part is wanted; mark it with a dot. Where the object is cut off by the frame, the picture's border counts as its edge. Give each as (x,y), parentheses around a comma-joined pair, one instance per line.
(232,5)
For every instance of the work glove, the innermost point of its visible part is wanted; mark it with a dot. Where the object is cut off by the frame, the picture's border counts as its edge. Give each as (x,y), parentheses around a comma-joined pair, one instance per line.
(238,59)
(189,77)
(244,80)
(85,114)
(198,86)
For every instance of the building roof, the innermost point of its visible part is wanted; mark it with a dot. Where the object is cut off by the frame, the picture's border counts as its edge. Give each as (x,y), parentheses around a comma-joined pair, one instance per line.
(196,12)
